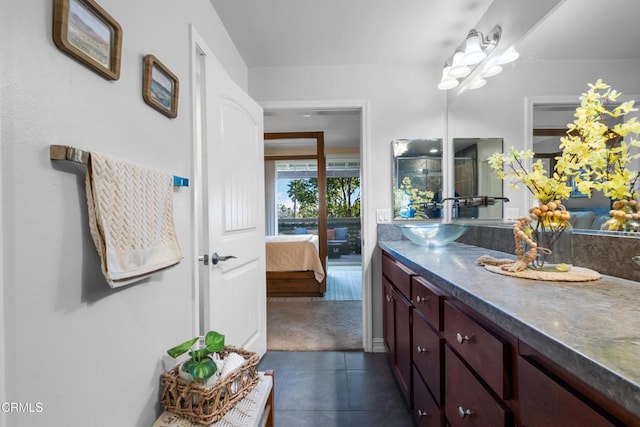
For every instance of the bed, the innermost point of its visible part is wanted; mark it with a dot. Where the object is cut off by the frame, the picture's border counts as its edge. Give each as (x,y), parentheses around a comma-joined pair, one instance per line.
(294,268)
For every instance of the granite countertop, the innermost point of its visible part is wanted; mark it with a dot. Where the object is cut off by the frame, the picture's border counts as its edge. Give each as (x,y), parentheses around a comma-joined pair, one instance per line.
(592,329)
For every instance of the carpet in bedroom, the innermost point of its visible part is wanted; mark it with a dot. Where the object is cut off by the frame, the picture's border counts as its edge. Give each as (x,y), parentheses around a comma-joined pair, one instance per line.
(314,325)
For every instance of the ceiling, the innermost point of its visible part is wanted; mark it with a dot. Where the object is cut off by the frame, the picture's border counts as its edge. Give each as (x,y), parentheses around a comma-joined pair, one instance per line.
(282,33)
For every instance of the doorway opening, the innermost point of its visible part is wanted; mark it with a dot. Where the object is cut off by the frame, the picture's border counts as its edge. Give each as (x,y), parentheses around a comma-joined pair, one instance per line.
(296,179)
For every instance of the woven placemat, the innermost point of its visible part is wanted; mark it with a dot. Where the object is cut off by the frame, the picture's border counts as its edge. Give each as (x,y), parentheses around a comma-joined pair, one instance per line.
(576,274)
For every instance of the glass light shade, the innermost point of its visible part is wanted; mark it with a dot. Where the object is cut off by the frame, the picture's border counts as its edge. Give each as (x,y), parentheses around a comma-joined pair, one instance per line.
(458,69)
(473,53)
(491,70)
(509,55)
(477,83)
(447,82)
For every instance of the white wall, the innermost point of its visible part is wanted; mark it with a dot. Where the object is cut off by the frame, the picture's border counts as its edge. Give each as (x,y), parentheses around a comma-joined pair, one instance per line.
(404,103)
(89,354)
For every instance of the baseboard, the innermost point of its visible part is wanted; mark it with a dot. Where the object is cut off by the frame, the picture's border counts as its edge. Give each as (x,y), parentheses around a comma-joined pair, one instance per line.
(378,346)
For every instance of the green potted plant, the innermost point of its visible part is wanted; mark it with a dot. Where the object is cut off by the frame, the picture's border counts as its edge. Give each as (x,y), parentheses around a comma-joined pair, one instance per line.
(201,366)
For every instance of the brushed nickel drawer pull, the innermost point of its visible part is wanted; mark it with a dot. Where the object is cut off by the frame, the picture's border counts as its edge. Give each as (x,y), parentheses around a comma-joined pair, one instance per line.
(462,338)
(421,299)
(463,412)
(422,413)
(422,349)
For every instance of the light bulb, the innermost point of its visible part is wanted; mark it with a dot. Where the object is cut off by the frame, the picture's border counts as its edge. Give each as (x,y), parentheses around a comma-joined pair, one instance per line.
(509,55)
(491,70)
(473,53)
(447,82)
(458,69)
(477,83)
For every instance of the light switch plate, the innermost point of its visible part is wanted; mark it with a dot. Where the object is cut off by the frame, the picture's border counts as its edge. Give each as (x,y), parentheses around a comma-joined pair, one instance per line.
(383,216)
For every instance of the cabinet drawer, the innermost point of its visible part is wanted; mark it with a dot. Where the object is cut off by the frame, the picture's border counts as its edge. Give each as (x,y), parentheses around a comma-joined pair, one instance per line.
(428,299)
(427,355)
(467,402)
(426,412)
(485,352)
(546,403)
(398,274)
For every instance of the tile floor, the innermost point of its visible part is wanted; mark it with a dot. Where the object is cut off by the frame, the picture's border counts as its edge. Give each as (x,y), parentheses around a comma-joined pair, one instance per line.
(341,389)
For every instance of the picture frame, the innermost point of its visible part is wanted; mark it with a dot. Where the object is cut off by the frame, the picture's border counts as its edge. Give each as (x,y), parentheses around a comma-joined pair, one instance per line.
(87,33)
(160,87)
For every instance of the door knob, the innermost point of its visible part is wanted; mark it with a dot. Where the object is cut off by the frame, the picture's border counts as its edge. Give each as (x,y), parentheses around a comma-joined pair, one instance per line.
(215,258)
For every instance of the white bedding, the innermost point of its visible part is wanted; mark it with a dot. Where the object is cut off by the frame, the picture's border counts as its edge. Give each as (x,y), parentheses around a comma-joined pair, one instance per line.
(295,238)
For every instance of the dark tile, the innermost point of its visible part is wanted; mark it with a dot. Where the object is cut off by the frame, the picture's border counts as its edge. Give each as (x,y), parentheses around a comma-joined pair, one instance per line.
(361,360)
(374,390)
(381,419)
(312,419)
(302,360)
(313,390)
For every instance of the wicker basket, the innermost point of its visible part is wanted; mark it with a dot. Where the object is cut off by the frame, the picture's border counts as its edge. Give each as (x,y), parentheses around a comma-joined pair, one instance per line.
(206,405)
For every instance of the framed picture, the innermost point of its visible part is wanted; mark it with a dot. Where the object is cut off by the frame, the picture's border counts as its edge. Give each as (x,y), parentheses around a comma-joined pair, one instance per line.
(87,33)
(160,87)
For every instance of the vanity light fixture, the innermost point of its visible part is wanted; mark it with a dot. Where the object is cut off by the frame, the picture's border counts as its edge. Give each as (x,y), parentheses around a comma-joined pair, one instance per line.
(475,52)
(477,83)
(458,69)
(447,82)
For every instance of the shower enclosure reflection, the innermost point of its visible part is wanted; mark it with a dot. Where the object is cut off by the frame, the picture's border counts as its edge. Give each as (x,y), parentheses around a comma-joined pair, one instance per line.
(416,178)
(472,176)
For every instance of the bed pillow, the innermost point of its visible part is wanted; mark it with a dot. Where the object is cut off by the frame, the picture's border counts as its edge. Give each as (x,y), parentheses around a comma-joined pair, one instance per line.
(342,233)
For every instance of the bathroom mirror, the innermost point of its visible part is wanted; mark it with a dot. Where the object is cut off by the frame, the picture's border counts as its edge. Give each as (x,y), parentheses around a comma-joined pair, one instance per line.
(472,176)
(559,57)
(416,178)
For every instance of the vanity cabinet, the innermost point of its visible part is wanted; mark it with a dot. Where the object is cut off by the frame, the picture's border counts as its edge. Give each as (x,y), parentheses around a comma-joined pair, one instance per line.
(464,370)
(560,405)
(396,280)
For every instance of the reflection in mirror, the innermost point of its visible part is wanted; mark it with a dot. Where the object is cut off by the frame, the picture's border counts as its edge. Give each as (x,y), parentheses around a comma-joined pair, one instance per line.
(559,57)
(417,178)
(472,176)
(588,212)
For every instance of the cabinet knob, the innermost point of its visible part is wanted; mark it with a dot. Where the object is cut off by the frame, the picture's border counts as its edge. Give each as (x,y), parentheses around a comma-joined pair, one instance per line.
(421,299)
(463,412)
(422,413)
(389,298)
(462,338)
(422,349)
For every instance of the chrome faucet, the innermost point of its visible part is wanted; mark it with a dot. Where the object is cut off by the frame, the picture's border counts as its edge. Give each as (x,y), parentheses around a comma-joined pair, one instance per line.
(473,201)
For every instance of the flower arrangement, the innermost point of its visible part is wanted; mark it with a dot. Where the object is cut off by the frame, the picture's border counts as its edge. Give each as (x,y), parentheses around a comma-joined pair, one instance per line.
(598,155)
(546,222)
(412,197)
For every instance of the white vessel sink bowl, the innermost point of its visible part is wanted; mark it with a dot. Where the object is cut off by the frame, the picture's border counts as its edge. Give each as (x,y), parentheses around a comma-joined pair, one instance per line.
(436,234)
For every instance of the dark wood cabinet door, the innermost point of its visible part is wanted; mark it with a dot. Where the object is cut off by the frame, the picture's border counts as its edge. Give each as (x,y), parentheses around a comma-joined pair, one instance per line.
(467,401)
(546,403)
(429,300)
(484,351)
(427,355)
(398,274)
(388,319)
(426,412)
(402,309)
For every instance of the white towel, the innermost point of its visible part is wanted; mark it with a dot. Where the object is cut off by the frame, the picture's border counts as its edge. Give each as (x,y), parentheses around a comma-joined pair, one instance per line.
(131,219)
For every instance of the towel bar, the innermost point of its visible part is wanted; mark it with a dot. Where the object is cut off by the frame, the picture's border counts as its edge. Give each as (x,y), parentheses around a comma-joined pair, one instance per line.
(65,152)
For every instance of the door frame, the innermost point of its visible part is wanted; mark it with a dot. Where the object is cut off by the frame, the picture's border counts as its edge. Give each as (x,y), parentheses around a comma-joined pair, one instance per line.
(321,164)
(368,224)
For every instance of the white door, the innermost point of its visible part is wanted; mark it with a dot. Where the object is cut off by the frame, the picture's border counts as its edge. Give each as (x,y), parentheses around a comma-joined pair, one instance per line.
(233,291)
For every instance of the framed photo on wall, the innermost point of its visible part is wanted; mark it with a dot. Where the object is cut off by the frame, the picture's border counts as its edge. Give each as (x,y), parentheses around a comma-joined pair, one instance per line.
(160,87)
(87,33)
